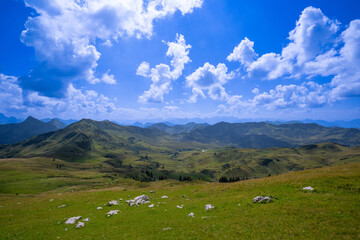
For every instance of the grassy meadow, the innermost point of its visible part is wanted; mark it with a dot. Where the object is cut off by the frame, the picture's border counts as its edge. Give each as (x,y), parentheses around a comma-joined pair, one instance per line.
(329,212)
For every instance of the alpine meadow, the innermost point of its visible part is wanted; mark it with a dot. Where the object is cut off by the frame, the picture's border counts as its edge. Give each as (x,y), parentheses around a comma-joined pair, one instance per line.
(179,119)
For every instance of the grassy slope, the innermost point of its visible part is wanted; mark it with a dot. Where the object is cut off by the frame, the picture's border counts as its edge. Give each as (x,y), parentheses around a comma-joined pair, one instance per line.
(329,213)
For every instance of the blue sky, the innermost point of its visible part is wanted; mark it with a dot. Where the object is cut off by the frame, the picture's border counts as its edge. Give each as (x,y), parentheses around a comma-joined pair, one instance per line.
(164,59)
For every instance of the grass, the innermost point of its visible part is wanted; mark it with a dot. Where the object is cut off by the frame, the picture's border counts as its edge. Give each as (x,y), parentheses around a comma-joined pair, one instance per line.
(330,212)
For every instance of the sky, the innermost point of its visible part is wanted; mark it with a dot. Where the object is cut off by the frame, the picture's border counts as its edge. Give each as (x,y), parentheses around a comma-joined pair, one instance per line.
(134,60)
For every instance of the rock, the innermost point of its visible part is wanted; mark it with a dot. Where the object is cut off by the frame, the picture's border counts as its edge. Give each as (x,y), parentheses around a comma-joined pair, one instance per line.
(308,188)
(180,206)
(86,219)
(51,200)
(80,225)
(261,199)
(112,212)
(152,191)
(61,206)
(98,208)
(164,197)
(191,214)
(152,205)
(72,220)
(139,200)
(184,196)
(113,202)
(168,228)
(208,207)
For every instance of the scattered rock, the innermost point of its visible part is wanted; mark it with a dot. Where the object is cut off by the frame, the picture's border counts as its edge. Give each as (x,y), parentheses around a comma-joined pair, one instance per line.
(72,220)
(152,191)
(261,199)
(98,208)
(208,207)
(308,188)
(152,205)
(139,200)
(164,197)
(180,206)
(61,206)
(168,228)
(113,202)
(191,214)
(51,200)
(184,196)
(80,225)
(86,219)
(112,212)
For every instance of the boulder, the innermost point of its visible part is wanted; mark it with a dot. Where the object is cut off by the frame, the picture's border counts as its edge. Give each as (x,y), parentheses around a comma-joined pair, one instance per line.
(208,207)
(308,188)
(72,220)
(112,212)
(113,202)
(80,225)
(191,214)
(139,200)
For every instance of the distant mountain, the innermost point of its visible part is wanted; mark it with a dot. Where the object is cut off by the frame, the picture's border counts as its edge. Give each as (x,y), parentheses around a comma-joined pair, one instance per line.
(178,129)
(7,120)
(66,122)
(265,135)
(88,139)
(17,132)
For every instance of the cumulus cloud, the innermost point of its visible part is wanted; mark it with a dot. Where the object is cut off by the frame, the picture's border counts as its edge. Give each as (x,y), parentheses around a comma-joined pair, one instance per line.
(162,75)
(211,79)
(315,48)
(108,78)
(63,35)
(243,53)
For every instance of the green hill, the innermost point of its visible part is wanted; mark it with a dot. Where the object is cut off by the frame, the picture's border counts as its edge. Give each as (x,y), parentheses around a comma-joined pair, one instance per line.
(17,132)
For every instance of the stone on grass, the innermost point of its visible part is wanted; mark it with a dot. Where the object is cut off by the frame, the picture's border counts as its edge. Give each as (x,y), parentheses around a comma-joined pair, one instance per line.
(51,200)
(113,202)
(260,199)
(164,197)
(86,219)
(98,208)
(61,206)
(168,228)
(208,207)
(191,214)
(112,212)
(72,220)
(152,205)
(308,188)
(80,225)
(180,206)
(139,200)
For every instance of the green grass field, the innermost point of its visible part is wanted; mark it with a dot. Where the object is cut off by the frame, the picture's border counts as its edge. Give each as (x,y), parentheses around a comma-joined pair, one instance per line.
(330,212)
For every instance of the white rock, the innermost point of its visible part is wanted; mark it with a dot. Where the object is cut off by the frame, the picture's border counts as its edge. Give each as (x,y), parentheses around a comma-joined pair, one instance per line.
(112,212)
(120,199)
(164,197)
(72,220)
(61,206)
(179,206)
(308,188)
(152,205)
(208,207)
(80,225)
(191,214)
(113,202)
(261,199)
(98,208)
(86,219)
(51,200)
(139,200)
(168,228)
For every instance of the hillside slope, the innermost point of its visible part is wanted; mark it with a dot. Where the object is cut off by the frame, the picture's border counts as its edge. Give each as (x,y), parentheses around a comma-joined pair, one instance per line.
(17,132)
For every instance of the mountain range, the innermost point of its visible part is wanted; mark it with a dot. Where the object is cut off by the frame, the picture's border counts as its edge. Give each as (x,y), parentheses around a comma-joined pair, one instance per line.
(17,132)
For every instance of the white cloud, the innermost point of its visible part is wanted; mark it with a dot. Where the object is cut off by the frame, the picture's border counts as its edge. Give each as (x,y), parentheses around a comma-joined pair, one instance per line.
(108,78)
(243,53)
(210,79)
(162,76)
(63,34)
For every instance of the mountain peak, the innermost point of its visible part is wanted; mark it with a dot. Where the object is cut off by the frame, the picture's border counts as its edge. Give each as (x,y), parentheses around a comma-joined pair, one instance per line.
(31,119)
